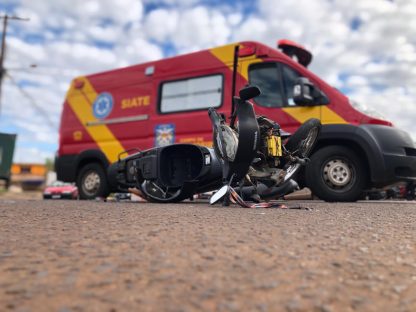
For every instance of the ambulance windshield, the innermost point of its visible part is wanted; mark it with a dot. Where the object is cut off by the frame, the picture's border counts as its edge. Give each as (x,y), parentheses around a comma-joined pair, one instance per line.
(366,109)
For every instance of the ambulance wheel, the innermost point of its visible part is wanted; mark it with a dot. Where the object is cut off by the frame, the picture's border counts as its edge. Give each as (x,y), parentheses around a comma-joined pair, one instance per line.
(92,182)
(336,173)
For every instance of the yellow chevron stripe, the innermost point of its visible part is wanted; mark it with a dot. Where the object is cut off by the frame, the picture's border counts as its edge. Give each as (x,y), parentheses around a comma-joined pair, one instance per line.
(328,116)
(226,55)
(246,63)
(323,112)
(80,102)
(302,113)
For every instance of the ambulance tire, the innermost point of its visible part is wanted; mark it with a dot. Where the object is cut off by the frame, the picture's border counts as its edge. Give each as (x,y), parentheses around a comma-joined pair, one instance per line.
(92,182)
(336,173)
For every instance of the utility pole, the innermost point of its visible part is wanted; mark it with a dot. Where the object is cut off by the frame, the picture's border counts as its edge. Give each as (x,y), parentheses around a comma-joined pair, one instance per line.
(3,46)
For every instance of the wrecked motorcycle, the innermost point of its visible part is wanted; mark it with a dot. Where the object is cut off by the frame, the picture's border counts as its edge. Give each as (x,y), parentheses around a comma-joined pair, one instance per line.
(249,159)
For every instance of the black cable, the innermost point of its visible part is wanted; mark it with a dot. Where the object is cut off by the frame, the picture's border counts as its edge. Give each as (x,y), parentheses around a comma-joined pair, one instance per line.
(44,113)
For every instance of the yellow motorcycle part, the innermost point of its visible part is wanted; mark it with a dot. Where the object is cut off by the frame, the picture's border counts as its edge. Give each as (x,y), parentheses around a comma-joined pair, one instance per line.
(274,145)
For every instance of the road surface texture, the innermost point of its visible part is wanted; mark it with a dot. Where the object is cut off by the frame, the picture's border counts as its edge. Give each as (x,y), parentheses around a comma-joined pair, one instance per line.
(108,256)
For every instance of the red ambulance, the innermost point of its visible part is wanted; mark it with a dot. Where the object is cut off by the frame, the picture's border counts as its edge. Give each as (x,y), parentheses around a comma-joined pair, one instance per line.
(166,101)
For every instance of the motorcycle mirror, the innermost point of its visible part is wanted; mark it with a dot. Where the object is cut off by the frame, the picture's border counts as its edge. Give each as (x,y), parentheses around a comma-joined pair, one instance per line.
(249,92)
(219,194)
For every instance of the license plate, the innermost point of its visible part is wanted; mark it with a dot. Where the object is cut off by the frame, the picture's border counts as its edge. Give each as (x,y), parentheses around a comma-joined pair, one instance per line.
(56,196)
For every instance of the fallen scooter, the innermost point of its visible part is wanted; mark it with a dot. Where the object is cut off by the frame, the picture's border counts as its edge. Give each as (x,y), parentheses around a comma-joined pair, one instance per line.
(248,158)
(258,163)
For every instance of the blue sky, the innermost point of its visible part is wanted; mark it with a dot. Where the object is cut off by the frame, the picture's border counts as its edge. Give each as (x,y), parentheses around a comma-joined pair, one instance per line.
(365,48)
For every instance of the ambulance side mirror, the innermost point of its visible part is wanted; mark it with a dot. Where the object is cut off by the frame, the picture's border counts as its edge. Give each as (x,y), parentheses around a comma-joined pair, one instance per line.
(305,93)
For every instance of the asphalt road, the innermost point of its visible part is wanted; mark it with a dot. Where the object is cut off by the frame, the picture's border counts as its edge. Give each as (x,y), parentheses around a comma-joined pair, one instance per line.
(97,256)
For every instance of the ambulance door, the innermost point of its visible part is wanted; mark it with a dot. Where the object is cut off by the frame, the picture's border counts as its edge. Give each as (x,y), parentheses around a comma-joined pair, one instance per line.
(276,81)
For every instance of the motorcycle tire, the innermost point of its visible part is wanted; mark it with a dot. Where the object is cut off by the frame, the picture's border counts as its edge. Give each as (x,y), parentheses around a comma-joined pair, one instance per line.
(301,144)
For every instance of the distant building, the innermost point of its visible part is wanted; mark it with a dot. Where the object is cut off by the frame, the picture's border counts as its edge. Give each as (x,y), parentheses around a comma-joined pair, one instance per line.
(28,176)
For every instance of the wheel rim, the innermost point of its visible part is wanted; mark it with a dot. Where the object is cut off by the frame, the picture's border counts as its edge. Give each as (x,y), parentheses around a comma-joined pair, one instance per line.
(91,183)
(339,174)
(157,193)
(309,142)
(303,151)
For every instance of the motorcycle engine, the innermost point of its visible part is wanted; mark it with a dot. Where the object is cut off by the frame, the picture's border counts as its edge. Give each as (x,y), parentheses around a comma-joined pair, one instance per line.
(265,166)
(271,146)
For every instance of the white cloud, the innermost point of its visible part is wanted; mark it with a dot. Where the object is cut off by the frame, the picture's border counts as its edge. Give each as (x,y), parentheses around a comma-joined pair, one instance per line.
(201,27)
(356,81)
(393,103)
(103,33)
(82,55)
(29,154)
(190,29)
(161,24)
(84,12)
(22,50)
(173,3)
(137,51)
(61,38)
(252,28)
(234,19)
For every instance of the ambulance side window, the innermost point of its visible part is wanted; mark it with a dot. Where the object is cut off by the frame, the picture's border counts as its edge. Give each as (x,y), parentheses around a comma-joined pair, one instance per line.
(289,78)
(194,93)
(276,82)
(267,77)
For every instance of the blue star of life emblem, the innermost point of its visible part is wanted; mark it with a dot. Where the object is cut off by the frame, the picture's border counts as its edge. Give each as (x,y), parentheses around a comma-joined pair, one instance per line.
(103,105)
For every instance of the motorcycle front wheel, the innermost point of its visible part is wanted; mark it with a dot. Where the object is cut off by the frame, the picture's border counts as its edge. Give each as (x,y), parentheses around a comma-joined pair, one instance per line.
(301,144)
(303,140)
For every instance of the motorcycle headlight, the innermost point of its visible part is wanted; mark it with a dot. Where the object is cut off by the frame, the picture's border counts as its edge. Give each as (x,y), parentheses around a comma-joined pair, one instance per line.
(227,143)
